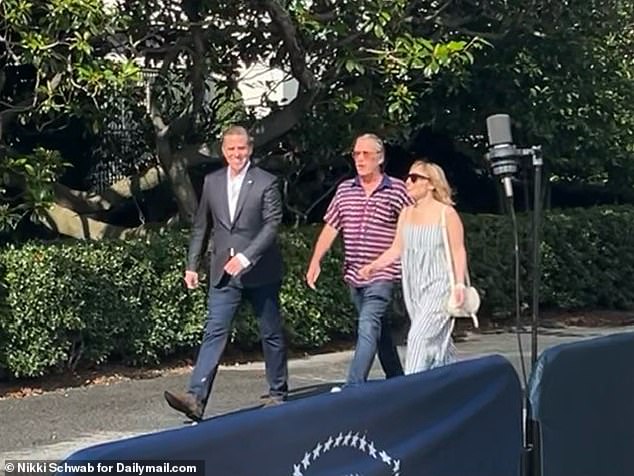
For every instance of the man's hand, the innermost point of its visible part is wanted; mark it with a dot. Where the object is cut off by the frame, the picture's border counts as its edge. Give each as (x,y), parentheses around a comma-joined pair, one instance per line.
(313,273)
(234,266)
(191,279)
(366,271)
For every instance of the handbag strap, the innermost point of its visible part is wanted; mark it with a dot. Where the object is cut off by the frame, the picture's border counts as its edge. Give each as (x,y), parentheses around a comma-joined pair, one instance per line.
(445,236)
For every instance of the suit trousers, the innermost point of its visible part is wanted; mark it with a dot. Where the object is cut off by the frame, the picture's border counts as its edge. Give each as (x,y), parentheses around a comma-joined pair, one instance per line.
(222,306)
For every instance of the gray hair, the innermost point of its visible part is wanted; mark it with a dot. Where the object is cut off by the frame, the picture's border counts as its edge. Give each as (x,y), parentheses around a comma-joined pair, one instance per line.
(380,148)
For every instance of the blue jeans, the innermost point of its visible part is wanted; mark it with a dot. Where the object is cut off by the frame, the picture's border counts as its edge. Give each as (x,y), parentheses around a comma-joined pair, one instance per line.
(222,306)
(373,333)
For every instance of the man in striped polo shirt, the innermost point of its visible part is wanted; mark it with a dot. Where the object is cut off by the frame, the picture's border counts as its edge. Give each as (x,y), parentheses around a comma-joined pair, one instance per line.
(365,209)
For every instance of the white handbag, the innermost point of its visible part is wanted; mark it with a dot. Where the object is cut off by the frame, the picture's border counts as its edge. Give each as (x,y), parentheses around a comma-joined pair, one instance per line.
(471,302)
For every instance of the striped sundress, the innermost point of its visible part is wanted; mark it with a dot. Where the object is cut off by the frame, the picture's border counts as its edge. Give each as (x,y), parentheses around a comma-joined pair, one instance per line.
(426,289)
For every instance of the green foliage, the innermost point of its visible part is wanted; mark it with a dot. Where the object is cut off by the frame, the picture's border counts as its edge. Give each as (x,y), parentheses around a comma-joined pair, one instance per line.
(65,40)
(95,301)
(84,57)
(90,302)
(565,77)
(587,258)
(66,303)
(380,61)
(54,64)
(222,105)
(388,66)
(26,184)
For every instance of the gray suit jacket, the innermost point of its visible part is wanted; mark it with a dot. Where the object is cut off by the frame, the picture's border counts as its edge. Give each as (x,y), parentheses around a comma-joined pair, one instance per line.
(253,231)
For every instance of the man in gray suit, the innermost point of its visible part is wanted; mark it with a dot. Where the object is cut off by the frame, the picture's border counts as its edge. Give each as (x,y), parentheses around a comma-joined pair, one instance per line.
(242,205)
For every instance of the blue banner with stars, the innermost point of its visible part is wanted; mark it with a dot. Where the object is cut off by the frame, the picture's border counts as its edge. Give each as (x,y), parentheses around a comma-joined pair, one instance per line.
(462,419)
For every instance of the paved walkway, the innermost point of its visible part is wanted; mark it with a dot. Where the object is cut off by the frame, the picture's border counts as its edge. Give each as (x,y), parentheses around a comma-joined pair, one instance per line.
(52,425)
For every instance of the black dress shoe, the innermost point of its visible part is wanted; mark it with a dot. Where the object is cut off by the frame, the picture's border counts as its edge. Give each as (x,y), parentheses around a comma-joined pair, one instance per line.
(185,403)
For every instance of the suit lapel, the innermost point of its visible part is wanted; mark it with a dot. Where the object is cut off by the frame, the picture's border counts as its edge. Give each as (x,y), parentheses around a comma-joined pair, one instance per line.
(224,199)
(247,185)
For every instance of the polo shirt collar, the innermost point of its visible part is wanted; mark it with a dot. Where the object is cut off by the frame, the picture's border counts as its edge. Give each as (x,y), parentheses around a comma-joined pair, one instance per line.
(386,182)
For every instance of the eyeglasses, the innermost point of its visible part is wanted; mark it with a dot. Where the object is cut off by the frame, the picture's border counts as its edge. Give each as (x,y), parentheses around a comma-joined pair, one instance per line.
(363,153)
(416,177)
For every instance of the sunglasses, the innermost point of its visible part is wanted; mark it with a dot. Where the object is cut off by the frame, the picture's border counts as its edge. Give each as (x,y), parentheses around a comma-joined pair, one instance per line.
(416,177)
(364,153)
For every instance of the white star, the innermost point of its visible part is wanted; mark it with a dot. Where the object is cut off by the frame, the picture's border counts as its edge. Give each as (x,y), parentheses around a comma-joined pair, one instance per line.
(385,457)
(316,451)
(355,438)
(328,444)
(306,460)
(296,470)
(347,438)
(372,450)
(397,465)
(362,443)
(338,440)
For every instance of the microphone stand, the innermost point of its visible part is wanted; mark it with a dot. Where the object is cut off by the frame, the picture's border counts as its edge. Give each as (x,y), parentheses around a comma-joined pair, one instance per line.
(532,442)
(504,161)
(505,168)
(537,162)
(504,158)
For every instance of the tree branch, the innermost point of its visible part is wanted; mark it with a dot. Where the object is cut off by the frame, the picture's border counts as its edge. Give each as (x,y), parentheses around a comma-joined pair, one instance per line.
(85,202)
(198,70)
(439,11)
(69,223)
(281,18)
(324,17)
(9,115)
(282,120)
(163,129)
(198,154)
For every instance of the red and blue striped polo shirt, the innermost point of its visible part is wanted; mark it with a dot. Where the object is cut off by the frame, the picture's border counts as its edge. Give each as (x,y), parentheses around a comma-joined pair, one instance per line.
(368,225)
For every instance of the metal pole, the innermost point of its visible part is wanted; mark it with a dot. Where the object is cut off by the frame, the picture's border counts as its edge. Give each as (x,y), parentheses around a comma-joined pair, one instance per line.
(538,162)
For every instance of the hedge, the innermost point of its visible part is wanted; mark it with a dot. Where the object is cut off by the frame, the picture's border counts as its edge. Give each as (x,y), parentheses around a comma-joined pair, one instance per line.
(65,303)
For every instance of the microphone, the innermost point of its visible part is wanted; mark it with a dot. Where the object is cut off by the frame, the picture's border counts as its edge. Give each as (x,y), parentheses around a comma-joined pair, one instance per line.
(502,154)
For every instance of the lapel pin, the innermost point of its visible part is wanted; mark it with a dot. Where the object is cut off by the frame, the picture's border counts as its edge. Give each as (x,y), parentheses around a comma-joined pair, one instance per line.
(250,182)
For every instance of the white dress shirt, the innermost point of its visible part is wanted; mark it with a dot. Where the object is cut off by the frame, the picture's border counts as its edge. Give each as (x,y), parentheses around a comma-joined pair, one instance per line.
(234,185)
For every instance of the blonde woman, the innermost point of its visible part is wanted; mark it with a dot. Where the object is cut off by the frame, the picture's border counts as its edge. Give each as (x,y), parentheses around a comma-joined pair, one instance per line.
(426,286)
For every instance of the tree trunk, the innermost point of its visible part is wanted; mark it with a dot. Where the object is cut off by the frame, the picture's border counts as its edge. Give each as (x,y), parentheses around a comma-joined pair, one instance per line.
(175,168)
(124,189)
(69,223)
